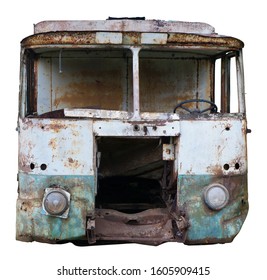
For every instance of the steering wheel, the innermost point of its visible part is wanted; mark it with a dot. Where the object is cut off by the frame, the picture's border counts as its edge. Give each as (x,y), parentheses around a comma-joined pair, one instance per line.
(213,107)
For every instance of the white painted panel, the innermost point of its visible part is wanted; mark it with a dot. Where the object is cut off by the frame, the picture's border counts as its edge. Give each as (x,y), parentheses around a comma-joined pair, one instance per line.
(207,147)
(64,146)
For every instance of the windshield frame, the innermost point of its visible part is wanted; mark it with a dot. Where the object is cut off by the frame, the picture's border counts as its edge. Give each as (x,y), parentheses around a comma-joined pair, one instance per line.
(28,69)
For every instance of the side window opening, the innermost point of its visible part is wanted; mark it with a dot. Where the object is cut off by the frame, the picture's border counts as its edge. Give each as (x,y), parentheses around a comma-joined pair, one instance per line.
(233,87)
(226,91)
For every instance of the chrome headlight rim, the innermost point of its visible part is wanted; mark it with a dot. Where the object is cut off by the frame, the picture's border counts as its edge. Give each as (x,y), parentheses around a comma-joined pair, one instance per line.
(216,196)
(64,211)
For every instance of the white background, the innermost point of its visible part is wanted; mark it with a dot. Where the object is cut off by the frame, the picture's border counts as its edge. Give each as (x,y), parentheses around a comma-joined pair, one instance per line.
(246,256)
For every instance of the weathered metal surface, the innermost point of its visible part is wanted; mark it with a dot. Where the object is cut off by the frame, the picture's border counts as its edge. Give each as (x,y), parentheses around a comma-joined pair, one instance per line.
(153,226)
(125,26)
(96,121)
(85,80)
(207,226)
(117,115)
(154,38)
(174,40)
(56,147)
(208,41)
(97,114)
(32,224)
(214,147)
(108,38)
(136,83)
(136,128)
(166,82)
(168,152)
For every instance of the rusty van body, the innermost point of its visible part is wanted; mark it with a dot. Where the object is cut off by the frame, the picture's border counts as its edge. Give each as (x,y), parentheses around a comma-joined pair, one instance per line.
(131,131)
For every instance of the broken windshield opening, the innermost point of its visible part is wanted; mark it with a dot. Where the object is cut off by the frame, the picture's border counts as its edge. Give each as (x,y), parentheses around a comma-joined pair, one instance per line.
(96,79)
(168,78)
(102,79)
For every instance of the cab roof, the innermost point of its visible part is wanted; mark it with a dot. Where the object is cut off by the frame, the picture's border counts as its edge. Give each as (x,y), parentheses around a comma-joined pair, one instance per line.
(125,25)
(130,32)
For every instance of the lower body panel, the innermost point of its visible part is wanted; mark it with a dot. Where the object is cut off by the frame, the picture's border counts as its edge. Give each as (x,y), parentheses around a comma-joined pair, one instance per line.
(210,226)
(32,224)
(187,219)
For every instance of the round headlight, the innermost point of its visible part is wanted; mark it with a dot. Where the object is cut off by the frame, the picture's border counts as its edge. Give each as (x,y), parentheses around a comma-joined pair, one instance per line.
(55,202)
(216,196)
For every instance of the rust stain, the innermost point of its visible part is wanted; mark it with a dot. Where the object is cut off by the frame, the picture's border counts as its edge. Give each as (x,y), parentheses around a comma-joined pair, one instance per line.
(72,163)
(232,167)
(27,123)
(215,169)
(200,40)
(105,86)
(26,159)
(189,172)
(26,206)
(95,95)
(53,143)
(51,38)
(75,132)
(87,37)
(151,226)
(54,126)
(132,38)
(24,163)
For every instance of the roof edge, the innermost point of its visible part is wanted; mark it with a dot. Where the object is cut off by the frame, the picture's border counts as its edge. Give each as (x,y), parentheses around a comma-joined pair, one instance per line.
(125,25)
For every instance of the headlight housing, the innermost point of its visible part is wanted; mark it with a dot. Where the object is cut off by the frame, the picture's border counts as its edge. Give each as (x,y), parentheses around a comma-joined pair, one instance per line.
(216,196)
(56,202)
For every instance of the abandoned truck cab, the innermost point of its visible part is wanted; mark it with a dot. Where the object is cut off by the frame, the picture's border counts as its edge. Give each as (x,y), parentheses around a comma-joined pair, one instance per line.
(131,131)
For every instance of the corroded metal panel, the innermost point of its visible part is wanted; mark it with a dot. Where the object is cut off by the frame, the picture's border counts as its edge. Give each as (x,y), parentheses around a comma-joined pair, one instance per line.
(124,25)
(154,38)
(166,82)
(153,226)
(207,226)
(96,114)
(213,147)
(82,82)
(136,128)
(53,147)
(100,130)
(108,38)
(86,81)
(213,43)
(212,150)
(32,224)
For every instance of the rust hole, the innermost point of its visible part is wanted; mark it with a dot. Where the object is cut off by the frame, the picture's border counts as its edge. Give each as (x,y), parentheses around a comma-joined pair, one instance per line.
(132,222)
(227,128)
(43,166)
(136,127)
(226,166)
(243,201)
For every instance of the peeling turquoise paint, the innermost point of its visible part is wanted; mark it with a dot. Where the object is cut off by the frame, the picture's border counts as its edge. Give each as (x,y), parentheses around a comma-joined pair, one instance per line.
(32,224)
(206,225)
